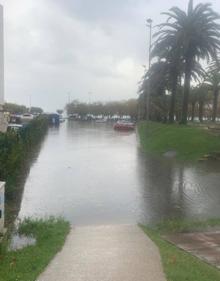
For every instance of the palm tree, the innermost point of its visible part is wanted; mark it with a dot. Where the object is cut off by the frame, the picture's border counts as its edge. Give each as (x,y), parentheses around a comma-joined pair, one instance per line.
(193,100)
(168,53)
(213,80)
(197,34)
(203,98)
(157,74)
(167,48)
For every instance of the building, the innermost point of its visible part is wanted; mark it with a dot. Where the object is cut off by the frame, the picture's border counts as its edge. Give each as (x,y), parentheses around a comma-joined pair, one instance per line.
(3,123)
(2,206)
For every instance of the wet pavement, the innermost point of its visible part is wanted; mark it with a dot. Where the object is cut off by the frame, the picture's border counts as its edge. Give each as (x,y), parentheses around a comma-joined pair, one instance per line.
(90,174)
(204,245)
(106,253)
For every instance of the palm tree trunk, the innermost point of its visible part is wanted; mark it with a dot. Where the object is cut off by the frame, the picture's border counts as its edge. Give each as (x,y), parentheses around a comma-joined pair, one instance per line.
(177,116)
(193,111)
(201,107)
(173,96)
(187,81)
(215,104)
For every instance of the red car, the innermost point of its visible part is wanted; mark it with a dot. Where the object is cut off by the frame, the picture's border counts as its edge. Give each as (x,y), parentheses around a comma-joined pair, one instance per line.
(124,126)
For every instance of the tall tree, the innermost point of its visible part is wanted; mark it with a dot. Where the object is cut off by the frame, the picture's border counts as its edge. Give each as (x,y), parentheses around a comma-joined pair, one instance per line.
(193,100)
(197,32)
(15,108)
(158,75)
(213,80)
(203,97)
(167,48)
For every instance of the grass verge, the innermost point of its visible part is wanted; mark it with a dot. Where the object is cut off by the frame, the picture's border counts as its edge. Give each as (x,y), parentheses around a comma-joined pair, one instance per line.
(190,143)
(179,265)
(26,264)
(179,225)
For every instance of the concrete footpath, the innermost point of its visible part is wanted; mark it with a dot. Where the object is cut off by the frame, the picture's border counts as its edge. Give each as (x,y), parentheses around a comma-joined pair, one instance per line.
(106,253)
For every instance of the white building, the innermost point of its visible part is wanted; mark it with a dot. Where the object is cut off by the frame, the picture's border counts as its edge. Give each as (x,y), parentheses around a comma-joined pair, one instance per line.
(3,123)
(2,206)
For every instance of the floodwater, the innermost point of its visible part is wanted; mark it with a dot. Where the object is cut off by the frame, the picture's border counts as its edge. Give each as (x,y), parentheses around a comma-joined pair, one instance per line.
(90,174)
(19,242)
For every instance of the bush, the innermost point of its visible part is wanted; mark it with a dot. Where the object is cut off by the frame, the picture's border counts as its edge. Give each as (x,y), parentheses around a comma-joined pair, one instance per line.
(15,148)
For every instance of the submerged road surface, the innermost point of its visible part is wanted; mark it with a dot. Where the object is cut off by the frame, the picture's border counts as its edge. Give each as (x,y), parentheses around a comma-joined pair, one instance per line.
(90,174)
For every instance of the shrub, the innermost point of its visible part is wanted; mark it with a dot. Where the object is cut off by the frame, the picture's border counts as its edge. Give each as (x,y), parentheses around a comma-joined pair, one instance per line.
(15,148)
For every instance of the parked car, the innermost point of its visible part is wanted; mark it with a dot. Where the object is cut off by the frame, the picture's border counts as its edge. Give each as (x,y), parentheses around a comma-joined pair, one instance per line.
(14,127)
(124,125)
(27,117)
(15,119)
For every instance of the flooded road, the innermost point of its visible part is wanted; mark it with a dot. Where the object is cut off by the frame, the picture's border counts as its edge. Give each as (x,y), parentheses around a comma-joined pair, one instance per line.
(90,174)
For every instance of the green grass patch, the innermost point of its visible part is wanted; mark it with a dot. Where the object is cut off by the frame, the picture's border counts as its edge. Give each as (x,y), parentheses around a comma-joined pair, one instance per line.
(190,143)
(26,264)
(179,265)
(179,225)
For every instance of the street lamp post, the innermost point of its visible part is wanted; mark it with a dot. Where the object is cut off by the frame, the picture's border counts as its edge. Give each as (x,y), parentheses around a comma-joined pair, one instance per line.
(90,101)
(69,97)
(149,25)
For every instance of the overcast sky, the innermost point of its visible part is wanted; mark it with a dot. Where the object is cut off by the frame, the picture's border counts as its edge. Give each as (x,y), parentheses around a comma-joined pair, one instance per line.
(56,48)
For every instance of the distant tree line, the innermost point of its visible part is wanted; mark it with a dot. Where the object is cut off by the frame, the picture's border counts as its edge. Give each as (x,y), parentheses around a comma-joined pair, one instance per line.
(14,108)
(120,108)
(183,81)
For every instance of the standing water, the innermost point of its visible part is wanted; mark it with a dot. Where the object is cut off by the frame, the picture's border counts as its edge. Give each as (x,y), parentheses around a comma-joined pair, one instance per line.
(90,174)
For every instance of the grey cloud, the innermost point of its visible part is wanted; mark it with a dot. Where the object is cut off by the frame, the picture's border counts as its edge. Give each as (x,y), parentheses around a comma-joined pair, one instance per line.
(99,10)
(53,47)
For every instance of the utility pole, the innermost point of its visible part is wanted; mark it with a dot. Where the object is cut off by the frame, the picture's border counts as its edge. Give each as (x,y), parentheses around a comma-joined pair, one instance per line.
(30,103)
(90,101)
(69,97)
(3,121)
(90,97)
(149,25)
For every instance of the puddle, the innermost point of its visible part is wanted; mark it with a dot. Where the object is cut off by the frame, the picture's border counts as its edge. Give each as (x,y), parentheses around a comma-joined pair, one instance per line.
(170,154)
(19,242)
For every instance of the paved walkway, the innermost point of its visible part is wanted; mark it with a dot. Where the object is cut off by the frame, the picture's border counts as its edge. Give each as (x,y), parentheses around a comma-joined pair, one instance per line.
(106,253)
(203,245)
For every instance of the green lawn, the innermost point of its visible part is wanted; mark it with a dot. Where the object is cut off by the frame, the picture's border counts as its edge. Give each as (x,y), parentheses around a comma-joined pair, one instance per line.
(28,263)
(180,225)
(190,143)
(179,265)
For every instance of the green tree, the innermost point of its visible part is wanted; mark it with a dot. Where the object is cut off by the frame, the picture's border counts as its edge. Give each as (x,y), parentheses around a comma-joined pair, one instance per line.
(158,76)
(14,108)
(36,110)
(213,80)
(203,97)
(167,48)
(193,100)
(197,33)
(60,111)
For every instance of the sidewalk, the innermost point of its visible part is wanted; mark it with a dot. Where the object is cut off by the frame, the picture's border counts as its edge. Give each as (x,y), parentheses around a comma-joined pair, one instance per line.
(106,253)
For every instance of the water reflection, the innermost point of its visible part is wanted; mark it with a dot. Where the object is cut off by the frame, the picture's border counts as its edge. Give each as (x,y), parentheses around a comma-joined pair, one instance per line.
(13,199)
(91,174)
(170,189)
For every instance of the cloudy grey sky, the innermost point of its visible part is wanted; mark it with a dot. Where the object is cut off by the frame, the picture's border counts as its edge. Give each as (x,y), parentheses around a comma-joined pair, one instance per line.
(56,47)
